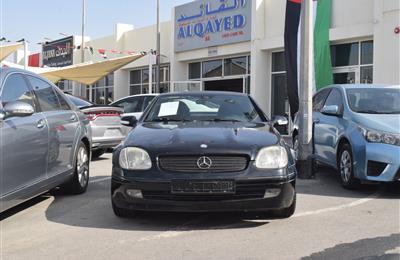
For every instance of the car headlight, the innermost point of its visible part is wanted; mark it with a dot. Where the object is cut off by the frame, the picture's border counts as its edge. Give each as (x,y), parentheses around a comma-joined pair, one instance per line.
(134,158)
(273,157)
(373,136)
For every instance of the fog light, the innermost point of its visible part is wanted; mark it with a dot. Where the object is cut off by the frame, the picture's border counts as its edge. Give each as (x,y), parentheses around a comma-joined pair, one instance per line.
(134,193)
(270,193)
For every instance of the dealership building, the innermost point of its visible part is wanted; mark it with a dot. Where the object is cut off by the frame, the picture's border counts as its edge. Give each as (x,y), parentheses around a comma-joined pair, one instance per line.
(238,46)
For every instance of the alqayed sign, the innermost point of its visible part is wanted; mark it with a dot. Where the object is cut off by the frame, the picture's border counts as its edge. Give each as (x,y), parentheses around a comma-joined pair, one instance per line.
(58,53)
(216,22)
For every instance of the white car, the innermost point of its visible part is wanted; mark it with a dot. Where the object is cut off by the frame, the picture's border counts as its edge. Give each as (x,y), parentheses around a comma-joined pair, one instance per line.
(134,105)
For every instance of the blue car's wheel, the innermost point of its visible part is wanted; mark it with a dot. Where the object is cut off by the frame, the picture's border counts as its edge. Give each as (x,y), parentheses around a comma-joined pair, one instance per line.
(345,166)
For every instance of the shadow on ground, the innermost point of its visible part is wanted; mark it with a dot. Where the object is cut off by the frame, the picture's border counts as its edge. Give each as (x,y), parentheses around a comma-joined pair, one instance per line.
(93,210)
(386,248)
(327,183)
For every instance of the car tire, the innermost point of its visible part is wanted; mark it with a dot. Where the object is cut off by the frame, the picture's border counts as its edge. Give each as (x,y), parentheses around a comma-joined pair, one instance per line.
(121,212)
(286,212)
(80,179)
(346,167)
(97,153)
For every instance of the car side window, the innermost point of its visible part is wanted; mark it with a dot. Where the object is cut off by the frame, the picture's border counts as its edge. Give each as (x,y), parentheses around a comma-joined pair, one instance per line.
(147,101)
(131,105)
(63,102)
(45,94)
(319,99)
(16,89)
(334,98)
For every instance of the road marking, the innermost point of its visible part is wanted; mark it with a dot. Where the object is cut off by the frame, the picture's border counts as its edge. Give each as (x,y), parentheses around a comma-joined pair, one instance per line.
(336,208)
(100,180)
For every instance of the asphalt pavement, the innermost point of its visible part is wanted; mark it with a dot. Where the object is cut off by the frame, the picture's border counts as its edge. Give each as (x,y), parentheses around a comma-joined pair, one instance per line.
(329,223)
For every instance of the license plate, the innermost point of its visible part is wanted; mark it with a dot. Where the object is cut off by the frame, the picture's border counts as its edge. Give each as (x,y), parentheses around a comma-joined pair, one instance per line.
(112,132)
(202,187)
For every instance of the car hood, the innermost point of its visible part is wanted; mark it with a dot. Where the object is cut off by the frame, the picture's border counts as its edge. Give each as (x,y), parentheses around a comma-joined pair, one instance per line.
(187,138)
(381,122)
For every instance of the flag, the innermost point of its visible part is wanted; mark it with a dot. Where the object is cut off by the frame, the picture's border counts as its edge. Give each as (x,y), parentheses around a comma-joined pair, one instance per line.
(322,52)
(322,56)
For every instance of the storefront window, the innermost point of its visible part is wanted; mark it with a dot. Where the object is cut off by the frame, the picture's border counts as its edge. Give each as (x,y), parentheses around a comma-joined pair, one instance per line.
(353,62)
(278,62)
(235,66)
(344,54)
(139,80)
(194,70)
(367,52)
(212,68)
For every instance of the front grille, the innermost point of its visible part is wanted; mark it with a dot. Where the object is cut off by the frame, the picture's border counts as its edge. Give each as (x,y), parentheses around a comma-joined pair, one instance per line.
(375,168)
(244,190)
(220,163)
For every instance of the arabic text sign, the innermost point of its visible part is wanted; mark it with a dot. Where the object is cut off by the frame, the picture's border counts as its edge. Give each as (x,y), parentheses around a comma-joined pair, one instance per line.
(202,24)
(58,53)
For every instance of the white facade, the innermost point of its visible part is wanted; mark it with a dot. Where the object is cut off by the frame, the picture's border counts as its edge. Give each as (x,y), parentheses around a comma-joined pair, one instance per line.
(355,21)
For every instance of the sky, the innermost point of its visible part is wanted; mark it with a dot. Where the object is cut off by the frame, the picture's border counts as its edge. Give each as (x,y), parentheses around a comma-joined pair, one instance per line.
(36,20)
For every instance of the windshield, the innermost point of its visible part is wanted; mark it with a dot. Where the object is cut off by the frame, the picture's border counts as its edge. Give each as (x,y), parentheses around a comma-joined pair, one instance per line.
(79,102)
(205,107)
(374,100)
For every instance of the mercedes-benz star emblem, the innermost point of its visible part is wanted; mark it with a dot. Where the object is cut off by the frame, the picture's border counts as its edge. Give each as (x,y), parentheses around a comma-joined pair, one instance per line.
(204,162)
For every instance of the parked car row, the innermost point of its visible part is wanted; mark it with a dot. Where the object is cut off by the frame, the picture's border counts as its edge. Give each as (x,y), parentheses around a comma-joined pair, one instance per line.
(190,151)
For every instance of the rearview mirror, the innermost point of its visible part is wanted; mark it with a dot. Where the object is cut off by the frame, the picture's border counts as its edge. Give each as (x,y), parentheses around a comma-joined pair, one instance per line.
(280,120)
(129,121)
(332,110)
(18,108)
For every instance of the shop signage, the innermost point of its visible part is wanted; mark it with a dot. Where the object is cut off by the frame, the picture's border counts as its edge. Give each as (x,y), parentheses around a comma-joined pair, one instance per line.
(58,53)
(201,24)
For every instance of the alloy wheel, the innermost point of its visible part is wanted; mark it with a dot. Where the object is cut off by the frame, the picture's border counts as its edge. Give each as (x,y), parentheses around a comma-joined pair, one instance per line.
(82,166)
(345,166)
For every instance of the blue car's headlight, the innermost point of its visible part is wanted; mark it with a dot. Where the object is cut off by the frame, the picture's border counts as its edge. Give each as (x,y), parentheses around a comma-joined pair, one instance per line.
(381,137)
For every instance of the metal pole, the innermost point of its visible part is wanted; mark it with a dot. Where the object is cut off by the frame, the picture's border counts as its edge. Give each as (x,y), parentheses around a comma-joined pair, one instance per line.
(158,56)
(25,54)
(150,71)
(83,31)
(305,160)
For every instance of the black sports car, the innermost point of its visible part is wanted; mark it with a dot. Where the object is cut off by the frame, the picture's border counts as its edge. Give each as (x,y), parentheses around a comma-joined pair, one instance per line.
(203,151)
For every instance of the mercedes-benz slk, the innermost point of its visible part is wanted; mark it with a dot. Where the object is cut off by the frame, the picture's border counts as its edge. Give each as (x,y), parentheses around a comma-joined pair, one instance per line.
(202,152)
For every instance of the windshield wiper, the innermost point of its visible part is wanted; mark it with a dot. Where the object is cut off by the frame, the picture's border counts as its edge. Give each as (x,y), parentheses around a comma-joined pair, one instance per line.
(368,112)
(168,119)
(222,120)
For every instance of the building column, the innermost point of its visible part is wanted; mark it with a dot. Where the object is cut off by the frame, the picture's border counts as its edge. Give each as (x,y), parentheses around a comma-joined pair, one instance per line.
(260,83)
(121,84)
(386,42)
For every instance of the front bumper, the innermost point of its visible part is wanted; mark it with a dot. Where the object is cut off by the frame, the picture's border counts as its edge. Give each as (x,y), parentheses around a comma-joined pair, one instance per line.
(387,154)
(250,194)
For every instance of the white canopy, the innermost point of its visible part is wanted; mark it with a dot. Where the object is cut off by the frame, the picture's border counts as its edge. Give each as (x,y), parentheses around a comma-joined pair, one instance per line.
(6,50)
(90,72)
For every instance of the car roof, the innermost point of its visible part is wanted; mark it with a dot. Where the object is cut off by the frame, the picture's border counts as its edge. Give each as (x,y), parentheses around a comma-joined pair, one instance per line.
(199,93)
(138,95)
(355,86)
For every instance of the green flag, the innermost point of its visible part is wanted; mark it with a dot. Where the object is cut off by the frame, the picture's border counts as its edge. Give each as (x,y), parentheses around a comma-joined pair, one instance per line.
(322,52)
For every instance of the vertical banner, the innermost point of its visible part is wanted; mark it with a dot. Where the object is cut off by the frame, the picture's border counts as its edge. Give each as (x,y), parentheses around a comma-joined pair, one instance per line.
(292,21)
(322,52)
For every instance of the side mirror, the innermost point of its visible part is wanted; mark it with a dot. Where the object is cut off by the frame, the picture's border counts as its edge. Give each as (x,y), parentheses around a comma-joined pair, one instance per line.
(280,120)
(332,110)
(17,108)
(129,121)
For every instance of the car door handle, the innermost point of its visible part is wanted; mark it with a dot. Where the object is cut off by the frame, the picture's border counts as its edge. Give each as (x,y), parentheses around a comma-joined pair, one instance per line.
(72,118)
(41,124)
(316,121)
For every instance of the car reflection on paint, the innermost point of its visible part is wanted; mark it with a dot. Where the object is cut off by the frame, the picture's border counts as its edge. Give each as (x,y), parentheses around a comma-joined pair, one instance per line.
(200,152)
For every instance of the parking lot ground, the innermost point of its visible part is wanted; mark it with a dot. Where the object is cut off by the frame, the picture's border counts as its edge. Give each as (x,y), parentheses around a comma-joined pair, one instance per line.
(329,223)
